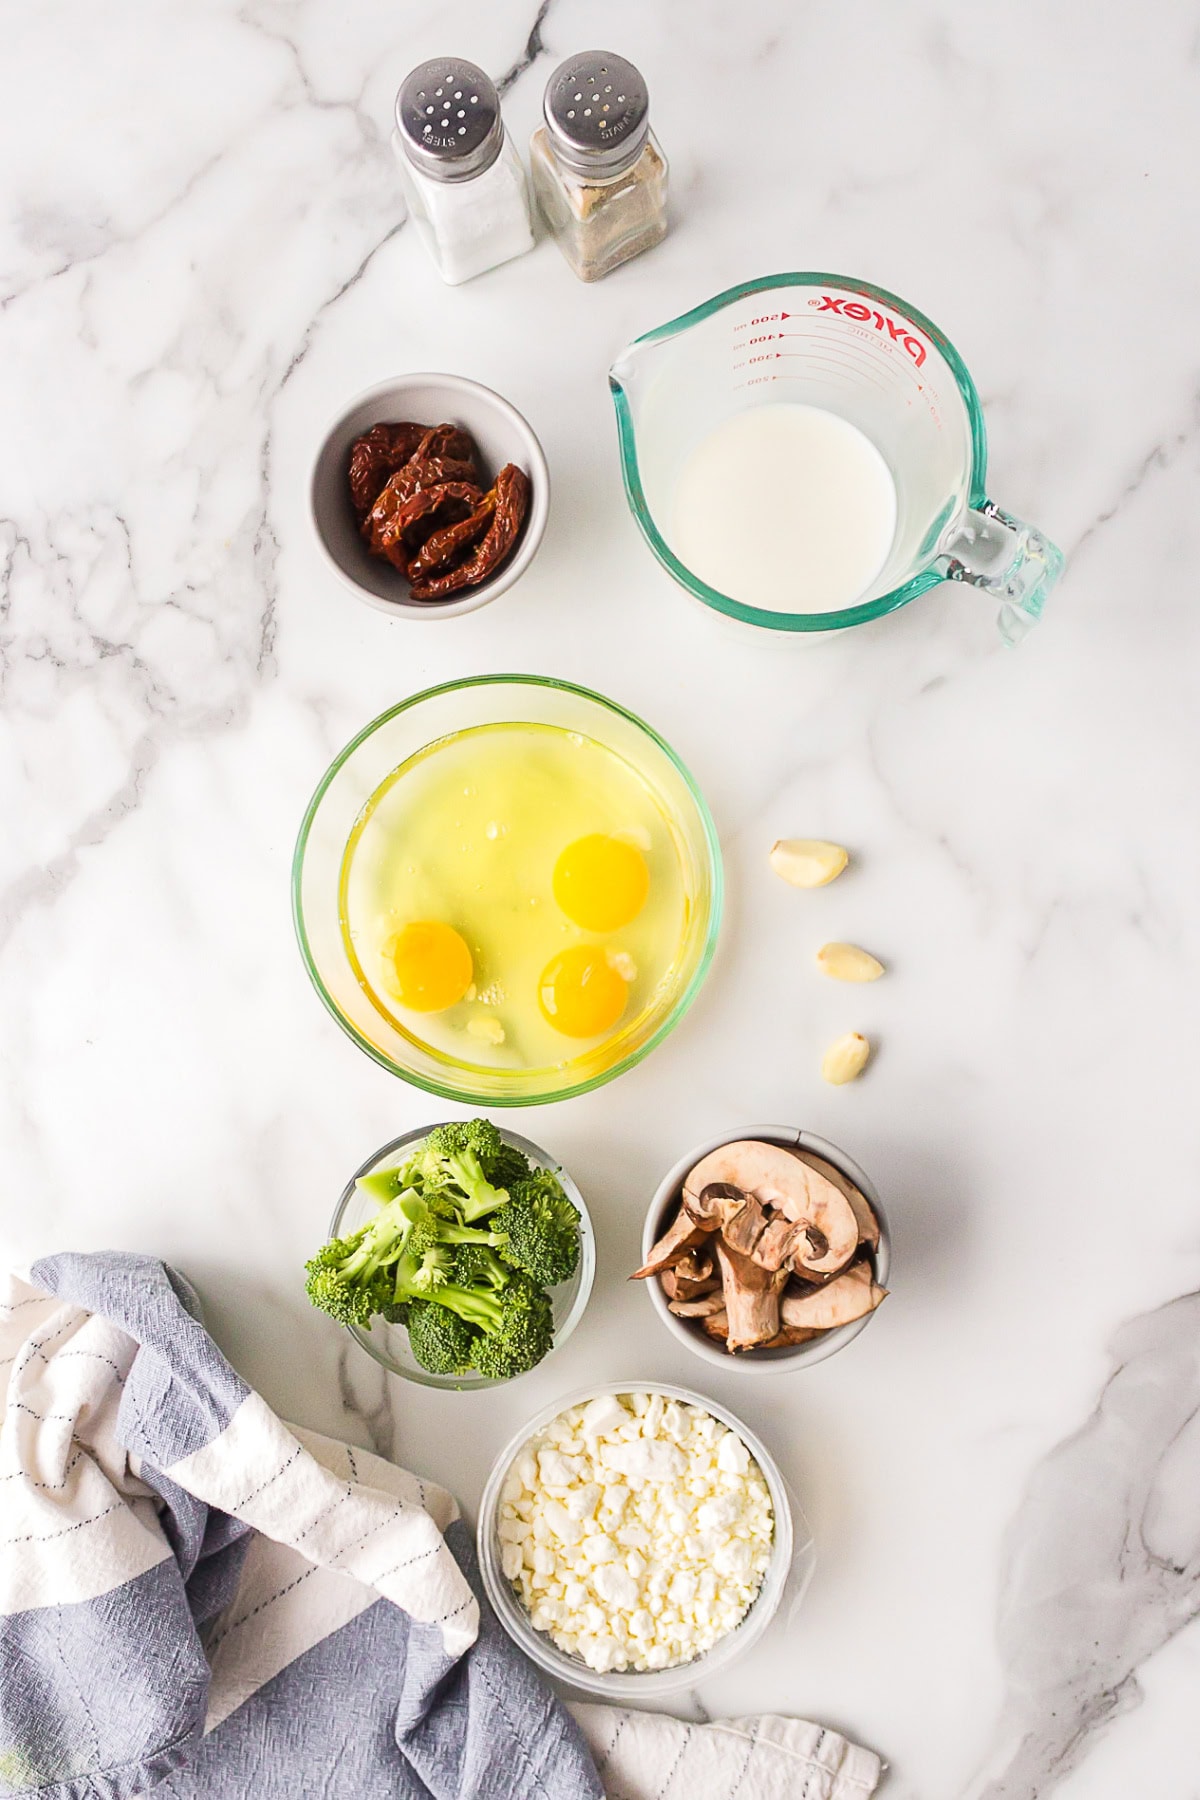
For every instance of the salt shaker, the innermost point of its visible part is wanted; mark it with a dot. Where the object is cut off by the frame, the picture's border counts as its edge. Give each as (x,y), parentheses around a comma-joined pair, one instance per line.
(598,172)
(461,173)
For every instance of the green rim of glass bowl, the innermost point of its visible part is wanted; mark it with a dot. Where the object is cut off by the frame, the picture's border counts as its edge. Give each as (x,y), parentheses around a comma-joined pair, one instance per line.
(755,615)
(670,1020)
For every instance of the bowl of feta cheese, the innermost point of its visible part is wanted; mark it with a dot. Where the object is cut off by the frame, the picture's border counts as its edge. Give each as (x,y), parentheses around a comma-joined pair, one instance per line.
(632,1532)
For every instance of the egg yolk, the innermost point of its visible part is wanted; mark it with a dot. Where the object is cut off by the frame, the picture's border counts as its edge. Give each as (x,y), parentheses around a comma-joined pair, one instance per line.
(433,966)
(600,882)
(581,993)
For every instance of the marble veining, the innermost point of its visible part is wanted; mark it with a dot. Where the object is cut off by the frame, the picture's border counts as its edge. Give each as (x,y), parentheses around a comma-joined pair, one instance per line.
(203,256)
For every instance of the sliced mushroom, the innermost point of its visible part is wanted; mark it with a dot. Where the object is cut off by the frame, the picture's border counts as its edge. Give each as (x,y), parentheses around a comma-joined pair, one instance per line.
(868,1224)
(788,1338)
(677,1286)
(701,1308)
(713,1203)
(751,1298)
(682,1235)
(851,1296)
(717,1327)
(779,1243)
(696,1265)
(777,1178)
(743,1229)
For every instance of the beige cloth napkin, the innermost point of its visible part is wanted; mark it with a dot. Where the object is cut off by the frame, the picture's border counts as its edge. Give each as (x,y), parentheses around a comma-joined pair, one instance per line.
(648,1756)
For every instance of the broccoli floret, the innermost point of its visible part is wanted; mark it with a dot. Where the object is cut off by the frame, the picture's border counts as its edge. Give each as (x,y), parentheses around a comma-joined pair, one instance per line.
(419,1279)
(479,1136)
(450,1165)
(345,1301)
(541,1229)
(505,1165)
(502,1163)
(433,1268)
(441,1341)
(475,1265)
(349,1277)
(382,1185)
(522,1336)
(435,1230)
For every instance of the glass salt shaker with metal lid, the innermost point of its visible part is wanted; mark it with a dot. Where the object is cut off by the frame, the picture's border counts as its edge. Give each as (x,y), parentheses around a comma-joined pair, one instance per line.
(461,172)
(598,172)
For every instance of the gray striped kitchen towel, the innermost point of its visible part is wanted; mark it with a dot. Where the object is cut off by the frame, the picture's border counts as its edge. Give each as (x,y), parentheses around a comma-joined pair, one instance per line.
(199,1600)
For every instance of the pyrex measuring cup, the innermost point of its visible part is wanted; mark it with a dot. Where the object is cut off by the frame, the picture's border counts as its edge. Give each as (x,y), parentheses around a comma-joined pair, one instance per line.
(852,349)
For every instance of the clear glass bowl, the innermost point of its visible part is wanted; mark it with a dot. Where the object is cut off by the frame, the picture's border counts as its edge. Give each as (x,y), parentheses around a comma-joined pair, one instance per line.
(793,1559)
(388,1344)
(399,734)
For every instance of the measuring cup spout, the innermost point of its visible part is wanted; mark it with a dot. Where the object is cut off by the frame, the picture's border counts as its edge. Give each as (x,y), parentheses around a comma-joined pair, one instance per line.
(1015,562)
(628,369)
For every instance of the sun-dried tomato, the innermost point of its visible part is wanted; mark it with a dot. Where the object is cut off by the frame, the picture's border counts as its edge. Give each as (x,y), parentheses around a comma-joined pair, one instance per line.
(443,547)
(417,494)
(400,536)
(510,496)
(404,483)
(377,455)
(447,441)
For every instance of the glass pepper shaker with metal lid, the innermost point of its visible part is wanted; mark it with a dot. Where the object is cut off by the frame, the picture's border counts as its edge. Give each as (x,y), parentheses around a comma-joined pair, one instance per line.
(598,173)
(461,172)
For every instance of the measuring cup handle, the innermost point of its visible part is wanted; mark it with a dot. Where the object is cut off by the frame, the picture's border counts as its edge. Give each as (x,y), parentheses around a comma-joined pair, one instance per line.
(999,554)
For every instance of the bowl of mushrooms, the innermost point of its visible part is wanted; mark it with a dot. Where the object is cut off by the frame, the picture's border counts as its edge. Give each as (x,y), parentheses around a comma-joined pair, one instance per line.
(765,1249)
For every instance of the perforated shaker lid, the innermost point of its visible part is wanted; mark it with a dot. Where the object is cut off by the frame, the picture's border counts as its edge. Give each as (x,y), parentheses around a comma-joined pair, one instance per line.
(597,113)
(448,117)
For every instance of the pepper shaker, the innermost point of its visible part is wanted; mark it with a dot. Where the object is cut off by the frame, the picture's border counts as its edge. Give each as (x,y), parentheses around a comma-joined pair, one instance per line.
(461,172)
(598,172)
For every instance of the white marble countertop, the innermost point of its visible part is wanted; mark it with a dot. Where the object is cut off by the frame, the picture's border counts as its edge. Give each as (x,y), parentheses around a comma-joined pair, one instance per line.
(203,262)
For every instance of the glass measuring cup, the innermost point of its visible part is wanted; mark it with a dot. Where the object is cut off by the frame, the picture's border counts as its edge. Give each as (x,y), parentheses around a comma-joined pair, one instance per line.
(855,350)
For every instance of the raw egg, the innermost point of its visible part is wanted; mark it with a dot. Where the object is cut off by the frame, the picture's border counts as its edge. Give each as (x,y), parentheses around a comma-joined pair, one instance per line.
(433,966)
(581,993)
(601,882)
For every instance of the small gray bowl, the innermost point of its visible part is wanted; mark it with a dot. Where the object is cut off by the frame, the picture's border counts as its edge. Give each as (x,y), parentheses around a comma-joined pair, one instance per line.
(760,1362)
(502,435)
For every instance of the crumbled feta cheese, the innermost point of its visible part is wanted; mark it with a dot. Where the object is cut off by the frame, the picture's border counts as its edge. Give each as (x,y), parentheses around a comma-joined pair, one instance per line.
(649,1459)
(510,1560)
(714,1515)
(581,1501)
(637,1531)
(602,1415)
(557,1470)
(615,1587)
(733,1458)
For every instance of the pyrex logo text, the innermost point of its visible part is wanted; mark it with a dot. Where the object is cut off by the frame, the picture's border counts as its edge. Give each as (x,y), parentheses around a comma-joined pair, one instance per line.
(897,329)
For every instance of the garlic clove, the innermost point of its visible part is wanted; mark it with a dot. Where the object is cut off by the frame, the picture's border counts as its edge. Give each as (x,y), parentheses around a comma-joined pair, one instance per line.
(807,862)
(846,1059)
(846,962)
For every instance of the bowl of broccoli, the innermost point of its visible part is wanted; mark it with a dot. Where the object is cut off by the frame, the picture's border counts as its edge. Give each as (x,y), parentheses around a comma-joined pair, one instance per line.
(459,1256)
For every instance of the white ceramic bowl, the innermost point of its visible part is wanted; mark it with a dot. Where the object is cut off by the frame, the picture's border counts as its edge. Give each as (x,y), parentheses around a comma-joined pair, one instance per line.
(388,1344)
(502,435)
(688,1331)
(792,1556)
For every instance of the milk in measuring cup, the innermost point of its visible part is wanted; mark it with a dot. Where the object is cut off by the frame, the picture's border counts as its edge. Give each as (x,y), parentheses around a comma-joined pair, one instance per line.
(786,507)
